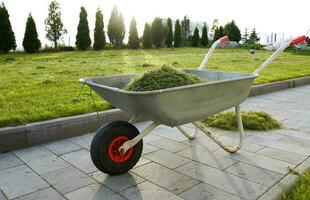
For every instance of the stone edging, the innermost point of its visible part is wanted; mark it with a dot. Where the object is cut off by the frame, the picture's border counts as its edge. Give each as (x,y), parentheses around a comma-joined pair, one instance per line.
(285,184)
(12,138)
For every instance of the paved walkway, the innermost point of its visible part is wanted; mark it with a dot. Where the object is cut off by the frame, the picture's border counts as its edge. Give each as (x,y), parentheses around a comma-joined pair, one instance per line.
(172,167)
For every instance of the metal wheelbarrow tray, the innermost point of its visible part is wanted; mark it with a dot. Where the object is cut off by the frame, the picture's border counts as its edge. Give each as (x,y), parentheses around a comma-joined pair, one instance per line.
(117,146)
(179,105)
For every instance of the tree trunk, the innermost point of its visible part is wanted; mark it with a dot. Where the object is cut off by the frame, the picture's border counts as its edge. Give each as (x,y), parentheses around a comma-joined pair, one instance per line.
(55,45)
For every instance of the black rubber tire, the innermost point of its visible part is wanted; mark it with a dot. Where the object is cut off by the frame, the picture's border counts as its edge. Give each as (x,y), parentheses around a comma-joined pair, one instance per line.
(99,149)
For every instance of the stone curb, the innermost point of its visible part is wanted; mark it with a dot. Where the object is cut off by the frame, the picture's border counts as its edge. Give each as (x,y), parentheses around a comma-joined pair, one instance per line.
(285,184)
(12,138)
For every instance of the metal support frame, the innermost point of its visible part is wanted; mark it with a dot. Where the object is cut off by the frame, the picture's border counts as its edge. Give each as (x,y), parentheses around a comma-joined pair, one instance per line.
(186,134)
(130,143)
(225,147)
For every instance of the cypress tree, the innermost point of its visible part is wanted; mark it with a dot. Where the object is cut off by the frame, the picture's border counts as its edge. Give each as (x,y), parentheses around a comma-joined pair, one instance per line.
(218,33)
(169,37)
(99,35)
(186,31)
(7,37)
(157,31)
(116,28)
(195,38)
(82,37)
(204,36)
(177,34)
(31,42)
(133,40)
(245,37)
(53,25)
(147,37)
(232,31)
(253,37)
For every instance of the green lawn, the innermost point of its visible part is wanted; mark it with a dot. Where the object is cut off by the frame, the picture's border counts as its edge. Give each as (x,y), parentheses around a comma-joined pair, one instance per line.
(301,191)
(44,86)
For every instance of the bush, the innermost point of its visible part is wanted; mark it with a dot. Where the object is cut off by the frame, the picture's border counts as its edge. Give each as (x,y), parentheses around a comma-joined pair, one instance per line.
(66,48)
(252,46)
(47,49)
(252,120)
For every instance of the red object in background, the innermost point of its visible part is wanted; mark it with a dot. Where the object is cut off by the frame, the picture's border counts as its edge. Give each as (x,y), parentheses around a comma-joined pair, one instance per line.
(299,40)
(224,39)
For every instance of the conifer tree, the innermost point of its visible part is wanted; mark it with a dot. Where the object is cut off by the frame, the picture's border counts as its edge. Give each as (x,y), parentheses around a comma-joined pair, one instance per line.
(147,37)
(99,35)
(218,33)
(133,40)
(232,31)
(245,37)
(169,37)
(253,37)
(177,34)
(82,37)
(157,31)
(31,42)
(7,37)
(204,35)
(195,38)
(116,28)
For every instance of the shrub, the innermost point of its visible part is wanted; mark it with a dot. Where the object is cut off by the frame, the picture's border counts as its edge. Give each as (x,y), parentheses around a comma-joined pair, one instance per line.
(252,46)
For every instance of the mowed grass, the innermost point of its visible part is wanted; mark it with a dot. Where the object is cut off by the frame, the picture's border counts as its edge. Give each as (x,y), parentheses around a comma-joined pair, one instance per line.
(35,87)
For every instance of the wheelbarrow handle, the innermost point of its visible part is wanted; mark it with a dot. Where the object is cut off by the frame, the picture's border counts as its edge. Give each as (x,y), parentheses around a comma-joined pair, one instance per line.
(278,51)
(211,50)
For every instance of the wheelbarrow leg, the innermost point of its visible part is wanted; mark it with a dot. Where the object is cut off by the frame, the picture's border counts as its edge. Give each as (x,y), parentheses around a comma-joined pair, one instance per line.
(225,147)
(187,134)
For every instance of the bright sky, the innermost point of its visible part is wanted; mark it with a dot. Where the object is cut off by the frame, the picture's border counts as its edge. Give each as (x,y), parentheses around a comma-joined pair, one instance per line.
(283,17)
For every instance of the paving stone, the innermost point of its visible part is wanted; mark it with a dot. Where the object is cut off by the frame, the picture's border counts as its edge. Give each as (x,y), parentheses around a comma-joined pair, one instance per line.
(287,132)
(167,158)
(148,149)
(67,179)
(302,142)
(165,177)
(142,161)
(83,140)
(32,153)
(62,147)
(276,191)
(246,146)
(170,133)
(20,180)
(119,182)
(259,161)
(2,196)
(223,180)
(150,137)
(45,194)
(286,146)
(46,164)
(256,174)
(142,125)
(204,191)
(80,159)
(93,192)
(8,160)
(304,165)
(208,158)
(147,190)
(204,143)
(169,145)
(282,155)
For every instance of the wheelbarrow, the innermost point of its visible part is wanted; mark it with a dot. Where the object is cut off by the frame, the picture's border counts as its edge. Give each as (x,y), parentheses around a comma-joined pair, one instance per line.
(117,146)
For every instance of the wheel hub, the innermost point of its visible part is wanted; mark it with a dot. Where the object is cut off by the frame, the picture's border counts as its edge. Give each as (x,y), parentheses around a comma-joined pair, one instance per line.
(114,152)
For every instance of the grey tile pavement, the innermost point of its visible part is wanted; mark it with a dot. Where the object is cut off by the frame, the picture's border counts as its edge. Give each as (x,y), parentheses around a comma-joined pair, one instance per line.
(172,167)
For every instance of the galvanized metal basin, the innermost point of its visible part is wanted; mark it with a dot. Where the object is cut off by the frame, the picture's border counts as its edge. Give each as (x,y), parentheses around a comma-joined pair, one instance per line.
(179,105)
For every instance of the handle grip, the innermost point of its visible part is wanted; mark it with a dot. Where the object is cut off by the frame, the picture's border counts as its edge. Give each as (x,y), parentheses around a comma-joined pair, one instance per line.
(224,39)
(299,40)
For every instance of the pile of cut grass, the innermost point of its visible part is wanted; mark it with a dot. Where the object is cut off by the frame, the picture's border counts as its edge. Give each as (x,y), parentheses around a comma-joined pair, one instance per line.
(252,120)
(162,78)
(301,191)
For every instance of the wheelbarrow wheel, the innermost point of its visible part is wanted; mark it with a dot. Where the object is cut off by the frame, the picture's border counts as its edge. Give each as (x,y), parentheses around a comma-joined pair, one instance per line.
(104,149)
